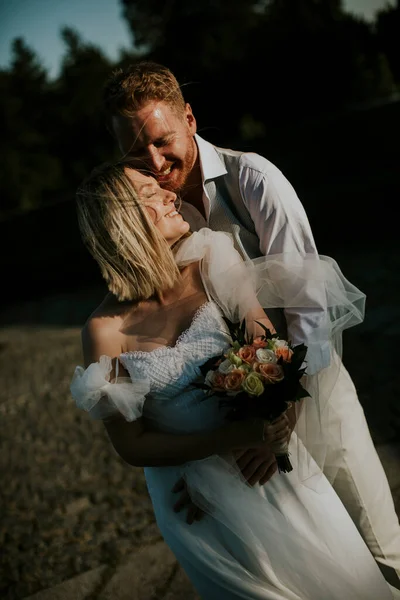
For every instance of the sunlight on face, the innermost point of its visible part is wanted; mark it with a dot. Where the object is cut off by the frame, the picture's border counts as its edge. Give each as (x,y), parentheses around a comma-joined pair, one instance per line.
(160,205)
(160,141)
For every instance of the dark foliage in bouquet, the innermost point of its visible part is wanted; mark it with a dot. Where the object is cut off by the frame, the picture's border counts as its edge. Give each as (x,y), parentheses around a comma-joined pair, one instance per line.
(257,377)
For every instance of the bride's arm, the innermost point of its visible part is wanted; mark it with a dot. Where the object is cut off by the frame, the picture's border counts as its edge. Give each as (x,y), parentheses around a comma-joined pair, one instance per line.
(137,444)
(142,447)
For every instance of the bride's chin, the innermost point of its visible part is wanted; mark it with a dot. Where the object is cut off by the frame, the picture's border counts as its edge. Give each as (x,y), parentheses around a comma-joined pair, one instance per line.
(185,227)
(181,237)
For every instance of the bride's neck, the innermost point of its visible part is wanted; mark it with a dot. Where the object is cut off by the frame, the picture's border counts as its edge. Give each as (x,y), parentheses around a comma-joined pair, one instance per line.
(185,287)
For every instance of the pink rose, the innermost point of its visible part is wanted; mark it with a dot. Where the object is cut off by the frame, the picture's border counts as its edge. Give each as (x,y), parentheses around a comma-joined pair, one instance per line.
(259,342)
(271,372)
(247,354)
(234,380)
(219,380)
(284,352)
(215,380)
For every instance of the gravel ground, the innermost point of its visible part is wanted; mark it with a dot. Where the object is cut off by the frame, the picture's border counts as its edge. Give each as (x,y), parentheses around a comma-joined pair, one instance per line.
(69,503)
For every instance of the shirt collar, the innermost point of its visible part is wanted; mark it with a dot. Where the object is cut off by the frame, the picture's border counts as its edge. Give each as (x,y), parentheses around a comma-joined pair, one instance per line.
(210,162)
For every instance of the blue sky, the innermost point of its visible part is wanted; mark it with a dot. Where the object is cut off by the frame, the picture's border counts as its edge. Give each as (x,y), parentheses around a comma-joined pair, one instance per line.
(98,21)
(39,23)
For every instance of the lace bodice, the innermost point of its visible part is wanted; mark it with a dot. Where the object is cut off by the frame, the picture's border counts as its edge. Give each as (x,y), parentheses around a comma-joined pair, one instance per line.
(159,386)
(170,369)
(173,404)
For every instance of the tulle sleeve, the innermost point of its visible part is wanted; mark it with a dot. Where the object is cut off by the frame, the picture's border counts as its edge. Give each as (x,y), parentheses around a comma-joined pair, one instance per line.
(329,303)
(93,391)
(312,284)
(229,280)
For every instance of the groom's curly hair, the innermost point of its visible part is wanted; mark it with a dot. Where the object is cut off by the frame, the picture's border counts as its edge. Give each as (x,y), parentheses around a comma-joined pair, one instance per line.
(127,90)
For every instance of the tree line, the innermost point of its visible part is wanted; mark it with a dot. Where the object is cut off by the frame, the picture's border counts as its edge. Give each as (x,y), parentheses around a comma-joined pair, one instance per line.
(248,68)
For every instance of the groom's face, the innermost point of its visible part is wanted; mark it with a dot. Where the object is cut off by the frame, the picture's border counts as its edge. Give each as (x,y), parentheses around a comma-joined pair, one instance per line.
(160,142)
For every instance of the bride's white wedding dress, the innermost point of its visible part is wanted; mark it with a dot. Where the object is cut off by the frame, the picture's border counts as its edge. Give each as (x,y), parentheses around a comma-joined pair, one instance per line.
(281,541)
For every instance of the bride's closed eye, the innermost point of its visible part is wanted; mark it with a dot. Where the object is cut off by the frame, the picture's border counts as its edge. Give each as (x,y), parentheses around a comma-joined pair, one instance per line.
(154,207)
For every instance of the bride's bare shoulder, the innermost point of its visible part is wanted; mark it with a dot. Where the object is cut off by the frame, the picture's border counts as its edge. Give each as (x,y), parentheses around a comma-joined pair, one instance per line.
(110,306)
(103,327)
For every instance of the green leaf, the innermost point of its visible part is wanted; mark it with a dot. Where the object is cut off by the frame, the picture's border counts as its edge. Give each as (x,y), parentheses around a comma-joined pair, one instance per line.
(302,393)
(210,364)
(268,334)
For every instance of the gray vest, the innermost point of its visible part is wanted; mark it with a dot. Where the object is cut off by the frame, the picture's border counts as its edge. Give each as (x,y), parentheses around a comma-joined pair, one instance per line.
(227,211)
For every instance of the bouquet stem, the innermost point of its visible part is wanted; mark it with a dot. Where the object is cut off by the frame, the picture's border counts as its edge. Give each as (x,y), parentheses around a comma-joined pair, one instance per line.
(283,462)
(281,452)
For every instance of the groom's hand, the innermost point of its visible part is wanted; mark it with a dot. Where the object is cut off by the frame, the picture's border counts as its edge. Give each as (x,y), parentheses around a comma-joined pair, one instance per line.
(194,513)
(256,464)
(259,464)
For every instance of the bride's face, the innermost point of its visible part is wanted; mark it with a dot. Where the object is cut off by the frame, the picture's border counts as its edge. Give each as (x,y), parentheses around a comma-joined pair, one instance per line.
(160,205)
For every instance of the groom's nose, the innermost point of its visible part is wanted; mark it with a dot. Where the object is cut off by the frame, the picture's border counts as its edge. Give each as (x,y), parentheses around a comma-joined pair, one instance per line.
(154,159)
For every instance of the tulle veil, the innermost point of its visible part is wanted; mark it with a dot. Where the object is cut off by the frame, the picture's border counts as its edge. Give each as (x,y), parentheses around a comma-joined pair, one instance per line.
(314,286)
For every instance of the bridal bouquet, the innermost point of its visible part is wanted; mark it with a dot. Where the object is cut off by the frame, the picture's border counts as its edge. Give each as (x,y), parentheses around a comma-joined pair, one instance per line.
(257,377)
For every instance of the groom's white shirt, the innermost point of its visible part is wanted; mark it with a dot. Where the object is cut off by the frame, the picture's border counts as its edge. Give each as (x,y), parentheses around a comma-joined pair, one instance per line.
(248,196)
(280,221)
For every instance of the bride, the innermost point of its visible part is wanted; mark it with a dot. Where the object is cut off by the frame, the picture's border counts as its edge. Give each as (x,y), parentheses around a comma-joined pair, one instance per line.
(143,347)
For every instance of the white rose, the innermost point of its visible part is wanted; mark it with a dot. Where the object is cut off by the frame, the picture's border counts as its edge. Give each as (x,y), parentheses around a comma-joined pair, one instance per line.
(266,356)
(226,366)
(279,343)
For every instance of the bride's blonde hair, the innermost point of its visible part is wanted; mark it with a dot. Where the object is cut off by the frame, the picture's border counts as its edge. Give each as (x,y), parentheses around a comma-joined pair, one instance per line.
(134,258)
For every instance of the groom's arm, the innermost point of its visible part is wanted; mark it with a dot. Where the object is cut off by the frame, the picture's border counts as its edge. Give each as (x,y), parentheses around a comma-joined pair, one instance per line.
(282,227)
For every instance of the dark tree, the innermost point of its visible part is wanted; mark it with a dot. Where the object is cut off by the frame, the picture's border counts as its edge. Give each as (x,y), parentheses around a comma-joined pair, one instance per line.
(254,64)
(79,136)
(388,33)
(250,69)
(28,170)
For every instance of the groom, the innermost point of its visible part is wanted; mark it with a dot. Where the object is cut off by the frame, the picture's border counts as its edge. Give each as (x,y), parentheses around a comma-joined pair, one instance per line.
(248,196)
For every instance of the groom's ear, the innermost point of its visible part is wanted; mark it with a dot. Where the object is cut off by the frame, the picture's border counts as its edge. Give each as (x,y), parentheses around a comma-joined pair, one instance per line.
(190,119)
